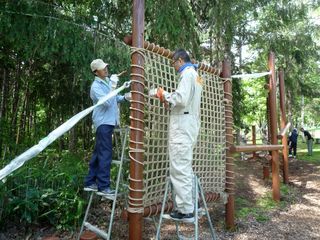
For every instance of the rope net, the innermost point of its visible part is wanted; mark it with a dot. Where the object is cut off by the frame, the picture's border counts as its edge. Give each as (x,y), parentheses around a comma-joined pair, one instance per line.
(209,160)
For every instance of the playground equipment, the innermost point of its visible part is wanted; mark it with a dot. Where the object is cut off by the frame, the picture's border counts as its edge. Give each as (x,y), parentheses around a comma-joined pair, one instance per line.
(282,135)
(150,67)
(213,161)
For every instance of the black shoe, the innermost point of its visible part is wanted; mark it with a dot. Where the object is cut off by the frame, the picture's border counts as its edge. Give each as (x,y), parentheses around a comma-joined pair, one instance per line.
(178,216)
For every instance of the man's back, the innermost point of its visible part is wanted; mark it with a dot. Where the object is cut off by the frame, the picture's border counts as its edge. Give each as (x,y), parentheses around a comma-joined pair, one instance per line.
(307,134)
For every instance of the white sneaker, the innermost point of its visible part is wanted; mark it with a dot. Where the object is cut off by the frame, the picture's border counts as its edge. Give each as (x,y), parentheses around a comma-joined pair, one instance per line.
(166,216)
(91,188)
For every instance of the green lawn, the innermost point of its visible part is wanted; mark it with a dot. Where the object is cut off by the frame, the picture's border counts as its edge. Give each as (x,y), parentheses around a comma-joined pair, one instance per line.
(302,152)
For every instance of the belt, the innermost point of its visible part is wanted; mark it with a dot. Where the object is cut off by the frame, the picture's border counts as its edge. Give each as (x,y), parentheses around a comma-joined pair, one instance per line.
(181,113)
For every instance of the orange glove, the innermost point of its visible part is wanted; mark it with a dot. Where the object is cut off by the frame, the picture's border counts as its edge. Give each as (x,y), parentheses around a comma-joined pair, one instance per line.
(159,94)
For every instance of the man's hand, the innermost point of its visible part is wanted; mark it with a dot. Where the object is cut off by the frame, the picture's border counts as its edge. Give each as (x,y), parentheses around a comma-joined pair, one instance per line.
(114,80)
(158,93)
(128,96)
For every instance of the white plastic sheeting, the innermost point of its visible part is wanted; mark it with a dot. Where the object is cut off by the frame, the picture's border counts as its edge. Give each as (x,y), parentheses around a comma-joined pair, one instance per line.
(251,75)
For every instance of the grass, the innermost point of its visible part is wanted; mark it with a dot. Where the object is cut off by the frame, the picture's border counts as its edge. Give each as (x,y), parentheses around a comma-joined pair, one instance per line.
(262,207)
(302,152)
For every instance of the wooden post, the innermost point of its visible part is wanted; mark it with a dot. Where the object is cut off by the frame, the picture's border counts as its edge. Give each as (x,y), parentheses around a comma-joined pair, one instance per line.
(226,74)
(273,128)
(266,172)
(283,125)
(136,125)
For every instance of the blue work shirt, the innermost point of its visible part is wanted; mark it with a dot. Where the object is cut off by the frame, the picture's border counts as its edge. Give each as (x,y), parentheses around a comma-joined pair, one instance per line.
(107,113)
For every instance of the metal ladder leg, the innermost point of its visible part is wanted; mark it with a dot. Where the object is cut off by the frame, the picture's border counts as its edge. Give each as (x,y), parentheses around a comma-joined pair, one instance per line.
(86,215)
(195,194)
(117,186)
(101,233)
(196,197)
(197,190)
(162,208)
(213,234)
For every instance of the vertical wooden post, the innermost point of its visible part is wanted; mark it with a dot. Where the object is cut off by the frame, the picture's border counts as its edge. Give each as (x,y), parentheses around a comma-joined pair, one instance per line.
(273,128)
(226,74)
(283,125)
(266,172)
(136,125)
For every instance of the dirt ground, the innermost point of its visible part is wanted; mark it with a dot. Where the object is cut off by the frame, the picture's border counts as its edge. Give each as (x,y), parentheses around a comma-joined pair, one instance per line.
(297,218)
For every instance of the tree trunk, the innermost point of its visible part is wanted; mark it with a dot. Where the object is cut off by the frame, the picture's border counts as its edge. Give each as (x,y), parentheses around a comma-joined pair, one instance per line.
(3,95)
(15,102)
(23,116)
(3,104)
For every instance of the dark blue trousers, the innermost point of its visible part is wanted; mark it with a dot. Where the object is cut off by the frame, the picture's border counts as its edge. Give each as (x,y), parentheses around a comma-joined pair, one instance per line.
(100,163)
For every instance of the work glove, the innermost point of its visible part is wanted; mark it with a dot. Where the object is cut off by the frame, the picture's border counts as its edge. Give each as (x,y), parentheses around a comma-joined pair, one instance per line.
(114,80)
(128,96)
(158,93)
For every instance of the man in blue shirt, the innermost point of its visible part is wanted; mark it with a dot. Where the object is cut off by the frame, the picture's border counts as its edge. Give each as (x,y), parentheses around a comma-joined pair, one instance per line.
(293,140)
(105,118)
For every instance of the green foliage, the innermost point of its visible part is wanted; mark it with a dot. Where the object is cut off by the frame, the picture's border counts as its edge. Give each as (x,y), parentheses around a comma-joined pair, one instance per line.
(45,51)
(254,101)
(172,24)
(46,190)
(285,28)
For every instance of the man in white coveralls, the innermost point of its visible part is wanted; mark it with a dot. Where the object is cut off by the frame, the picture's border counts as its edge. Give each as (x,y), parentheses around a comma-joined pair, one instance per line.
(184,127)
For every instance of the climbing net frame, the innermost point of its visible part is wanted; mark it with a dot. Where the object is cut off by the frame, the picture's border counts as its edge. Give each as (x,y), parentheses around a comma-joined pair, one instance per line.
(209,160)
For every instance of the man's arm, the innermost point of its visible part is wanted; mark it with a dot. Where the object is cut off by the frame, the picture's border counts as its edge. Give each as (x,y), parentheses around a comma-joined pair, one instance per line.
(120,99)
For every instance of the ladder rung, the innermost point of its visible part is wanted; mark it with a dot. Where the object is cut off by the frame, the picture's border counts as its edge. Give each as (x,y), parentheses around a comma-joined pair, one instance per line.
(112,197)
(107,197)
(96,230)
(118,161)
(121,129)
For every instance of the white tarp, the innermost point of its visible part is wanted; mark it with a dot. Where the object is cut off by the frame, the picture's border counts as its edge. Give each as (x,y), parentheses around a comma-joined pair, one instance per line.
(251,75)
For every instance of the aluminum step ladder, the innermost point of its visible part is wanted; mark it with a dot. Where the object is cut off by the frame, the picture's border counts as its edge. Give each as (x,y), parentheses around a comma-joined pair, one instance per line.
(197,188)
(120,143)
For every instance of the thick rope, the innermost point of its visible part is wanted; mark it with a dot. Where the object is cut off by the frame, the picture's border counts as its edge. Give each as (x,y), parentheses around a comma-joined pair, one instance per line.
(137,203)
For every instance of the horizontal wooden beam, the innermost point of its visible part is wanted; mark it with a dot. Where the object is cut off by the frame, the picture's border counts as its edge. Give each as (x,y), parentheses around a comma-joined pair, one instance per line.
(168,53)
(254,148)
(155,209)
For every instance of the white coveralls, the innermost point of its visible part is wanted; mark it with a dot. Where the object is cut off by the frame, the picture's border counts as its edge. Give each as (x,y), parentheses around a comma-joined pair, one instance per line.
(183,132)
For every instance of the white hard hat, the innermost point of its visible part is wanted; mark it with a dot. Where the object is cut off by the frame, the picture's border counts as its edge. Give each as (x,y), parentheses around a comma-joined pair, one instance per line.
(98,64)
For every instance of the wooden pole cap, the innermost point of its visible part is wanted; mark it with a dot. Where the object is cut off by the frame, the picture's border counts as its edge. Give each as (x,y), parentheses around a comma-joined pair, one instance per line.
(51,238)
(88,235)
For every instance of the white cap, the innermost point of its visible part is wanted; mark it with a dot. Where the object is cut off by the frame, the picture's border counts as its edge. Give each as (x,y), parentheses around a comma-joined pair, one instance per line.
(98,64)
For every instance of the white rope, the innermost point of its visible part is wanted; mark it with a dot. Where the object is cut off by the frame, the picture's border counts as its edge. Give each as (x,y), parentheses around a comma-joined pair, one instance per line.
(58,132)
(251,75)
